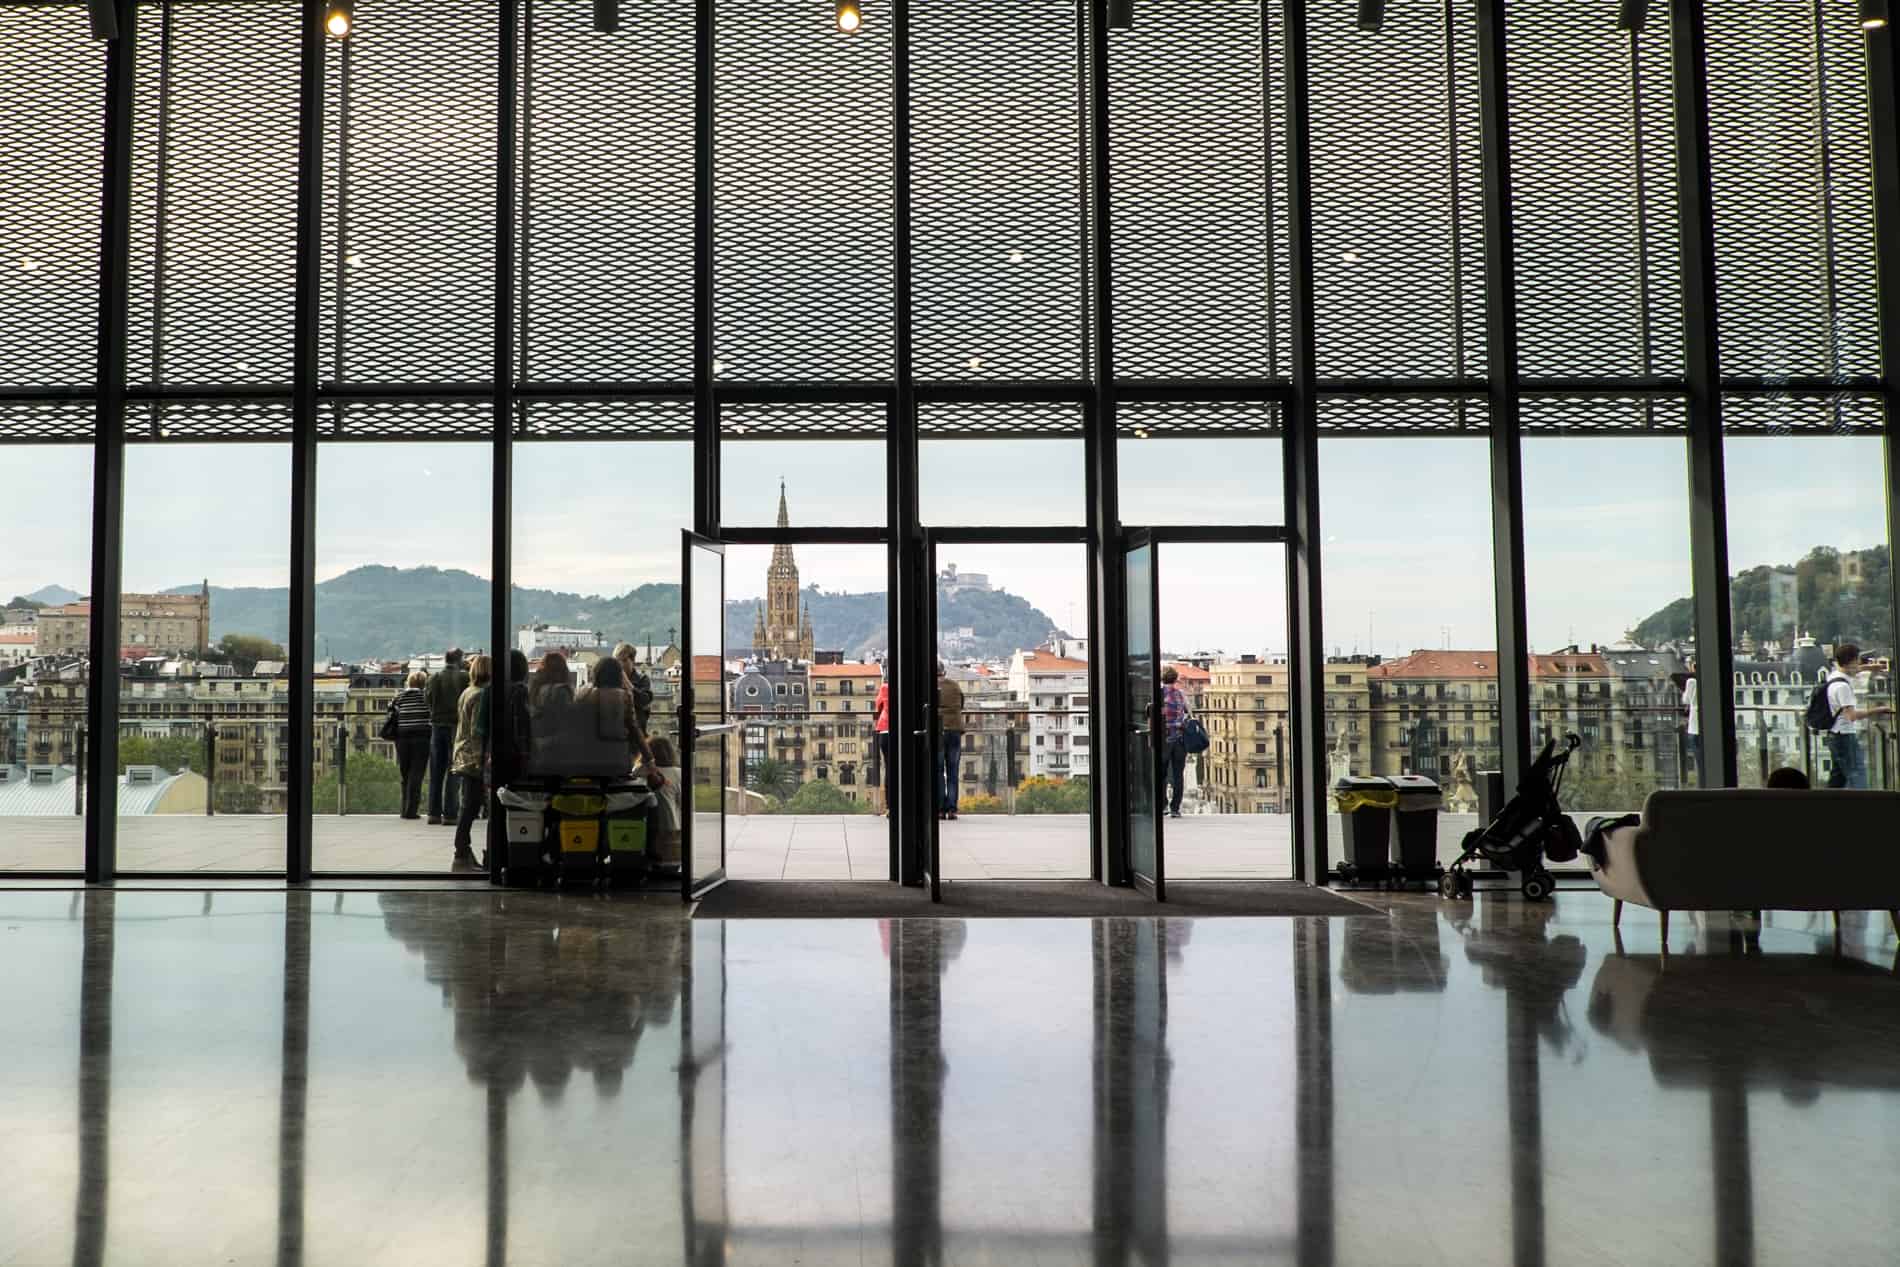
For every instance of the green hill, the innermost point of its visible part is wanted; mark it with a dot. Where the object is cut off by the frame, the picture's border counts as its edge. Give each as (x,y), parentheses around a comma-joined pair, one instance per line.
(1819,603)
(378,612)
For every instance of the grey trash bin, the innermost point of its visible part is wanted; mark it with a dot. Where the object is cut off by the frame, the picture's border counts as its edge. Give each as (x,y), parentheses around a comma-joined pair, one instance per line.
(1415,840)
(1365,817)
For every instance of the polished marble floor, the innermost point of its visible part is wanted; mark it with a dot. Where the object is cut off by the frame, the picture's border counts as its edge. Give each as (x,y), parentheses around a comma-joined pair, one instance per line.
(485,1077)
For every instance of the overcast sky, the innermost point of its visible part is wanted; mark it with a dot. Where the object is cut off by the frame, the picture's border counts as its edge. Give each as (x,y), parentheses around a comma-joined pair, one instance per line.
(1407,532)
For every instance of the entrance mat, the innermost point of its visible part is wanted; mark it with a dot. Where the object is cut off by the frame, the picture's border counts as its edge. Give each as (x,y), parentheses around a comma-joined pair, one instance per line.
(1015,899)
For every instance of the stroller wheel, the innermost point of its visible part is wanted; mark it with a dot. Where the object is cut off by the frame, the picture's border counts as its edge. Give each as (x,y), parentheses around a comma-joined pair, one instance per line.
(1538,885)
(1448,886)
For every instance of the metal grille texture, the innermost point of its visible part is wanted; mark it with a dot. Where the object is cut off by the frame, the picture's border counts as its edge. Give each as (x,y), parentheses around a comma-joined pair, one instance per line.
(406,420)
(1604,415)
(1197,169)
(1804,413)
(52,88)
(1404,416)
(41,421)
(1790,164)
(826,421)
(803,197)
(997,189)
(607,419)
(953,420)
(208,420)
(606,194)
(1398,219)
(409,194)
(214,193)
(1593,186)
(1198,418)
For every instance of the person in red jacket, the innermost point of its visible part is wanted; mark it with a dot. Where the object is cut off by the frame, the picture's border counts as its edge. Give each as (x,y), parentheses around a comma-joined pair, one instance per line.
(883,706)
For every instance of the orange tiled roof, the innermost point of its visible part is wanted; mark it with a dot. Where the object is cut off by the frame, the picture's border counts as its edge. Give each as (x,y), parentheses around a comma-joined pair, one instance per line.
(846,670)
(1048,662)
(1438,664)
(708,668)
(1569,664)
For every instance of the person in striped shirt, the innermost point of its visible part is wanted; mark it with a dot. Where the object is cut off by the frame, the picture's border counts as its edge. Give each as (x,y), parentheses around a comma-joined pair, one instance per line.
(410,708)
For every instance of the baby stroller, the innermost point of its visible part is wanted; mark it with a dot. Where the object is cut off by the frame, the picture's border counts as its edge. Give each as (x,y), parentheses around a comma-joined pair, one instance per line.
(1531,827)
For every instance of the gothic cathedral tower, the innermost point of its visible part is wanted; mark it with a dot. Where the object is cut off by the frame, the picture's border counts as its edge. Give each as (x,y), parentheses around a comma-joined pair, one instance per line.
(782,628)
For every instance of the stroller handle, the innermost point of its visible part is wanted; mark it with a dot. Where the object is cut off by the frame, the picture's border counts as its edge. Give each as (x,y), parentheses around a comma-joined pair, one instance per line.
(1573,741)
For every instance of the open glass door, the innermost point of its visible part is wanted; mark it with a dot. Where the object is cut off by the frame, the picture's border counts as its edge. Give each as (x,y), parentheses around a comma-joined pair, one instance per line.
(1143,748)
(705,734)
(931,737)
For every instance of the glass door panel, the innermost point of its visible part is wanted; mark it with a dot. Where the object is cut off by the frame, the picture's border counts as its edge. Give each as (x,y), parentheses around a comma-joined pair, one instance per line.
(705,735)
(1142,749)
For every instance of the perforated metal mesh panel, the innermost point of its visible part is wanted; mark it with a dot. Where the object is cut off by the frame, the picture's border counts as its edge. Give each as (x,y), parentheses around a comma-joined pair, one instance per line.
(52,94)
(803,198)
(997,190)
(1790,169)
(1203,418)
(606,197)
(214,193)
(406,420)
(1404,416)
(608,419)
(1803,413)
(409,194)
(40,421)
(943,420)
(853,421)
(1198,172)
(1593,180)
(1398,220)
(1592,415)
(208,420)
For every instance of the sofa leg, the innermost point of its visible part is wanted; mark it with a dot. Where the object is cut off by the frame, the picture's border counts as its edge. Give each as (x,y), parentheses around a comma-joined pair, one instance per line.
(1616,914)
(1665,930)
(1895,917)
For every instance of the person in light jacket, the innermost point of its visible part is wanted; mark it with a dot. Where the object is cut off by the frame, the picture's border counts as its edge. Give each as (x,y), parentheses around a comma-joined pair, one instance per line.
(469,753)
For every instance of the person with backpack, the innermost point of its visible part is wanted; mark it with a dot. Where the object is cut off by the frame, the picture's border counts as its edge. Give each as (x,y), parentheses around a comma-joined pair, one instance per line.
(1834,711)
(1175,717)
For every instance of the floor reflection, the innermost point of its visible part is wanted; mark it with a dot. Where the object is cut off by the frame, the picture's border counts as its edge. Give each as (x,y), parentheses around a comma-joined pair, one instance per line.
(935,1091)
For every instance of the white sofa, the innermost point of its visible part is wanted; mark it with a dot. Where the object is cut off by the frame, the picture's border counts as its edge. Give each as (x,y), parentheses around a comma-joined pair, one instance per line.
(1734,850)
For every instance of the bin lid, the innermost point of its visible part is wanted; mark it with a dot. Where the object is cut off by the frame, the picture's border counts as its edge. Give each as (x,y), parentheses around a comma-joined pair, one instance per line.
(1413,783)
(1362,783)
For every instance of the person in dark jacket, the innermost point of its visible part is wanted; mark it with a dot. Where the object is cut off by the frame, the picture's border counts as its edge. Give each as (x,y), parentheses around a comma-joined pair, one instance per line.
(445,693)
(410,708)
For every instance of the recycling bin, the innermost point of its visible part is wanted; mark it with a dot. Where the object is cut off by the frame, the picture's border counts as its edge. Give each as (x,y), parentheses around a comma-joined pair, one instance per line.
(1365,804)
(1415,838)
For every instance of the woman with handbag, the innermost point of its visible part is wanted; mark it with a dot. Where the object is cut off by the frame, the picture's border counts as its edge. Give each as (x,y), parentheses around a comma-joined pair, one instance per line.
(1177,719)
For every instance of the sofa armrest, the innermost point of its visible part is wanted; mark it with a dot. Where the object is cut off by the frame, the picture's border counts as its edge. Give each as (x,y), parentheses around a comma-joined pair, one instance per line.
(1618,875)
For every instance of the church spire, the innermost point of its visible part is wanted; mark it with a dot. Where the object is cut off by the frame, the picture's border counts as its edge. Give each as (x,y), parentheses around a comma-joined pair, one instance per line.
(784,515)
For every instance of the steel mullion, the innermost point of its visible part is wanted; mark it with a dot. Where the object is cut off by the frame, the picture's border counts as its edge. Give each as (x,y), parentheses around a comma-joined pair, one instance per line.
(1709,563)
(501,719)
(705,405)
(1300,455)
(909,588)
(108,465)
(299,780)
(1506,450)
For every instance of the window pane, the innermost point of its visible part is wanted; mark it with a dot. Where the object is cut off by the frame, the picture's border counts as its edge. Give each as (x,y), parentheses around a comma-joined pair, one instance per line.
(52,133)
(46,566)
(1791,173)
(1198,183)
(204,722)
(821,483)
(1608,605)
(1409,601)
(1398,243)
(996,191)
(803,197)
(1207,463)
(409,194)
(396,591)
(1000,483)
(1811,569)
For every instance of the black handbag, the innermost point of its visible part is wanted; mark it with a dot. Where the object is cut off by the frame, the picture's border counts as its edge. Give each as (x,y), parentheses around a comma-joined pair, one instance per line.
(390,729)
(1194,736)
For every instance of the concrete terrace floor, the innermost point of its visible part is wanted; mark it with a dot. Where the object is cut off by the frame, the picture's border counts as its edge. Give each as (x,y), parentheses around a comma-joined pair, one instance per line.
(758,847)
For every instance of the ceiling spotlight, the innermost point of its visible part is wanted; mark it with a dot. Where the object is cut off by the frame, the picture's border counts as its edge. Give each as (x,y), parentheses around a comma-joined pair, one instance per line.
(29,264)
(976,362)
(104,18)
(339,18)
(607,15)
(850,16)
(1371,14)
(1873,14)
(352,259)
(1015,257)
(1632,15)
(1121,15)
